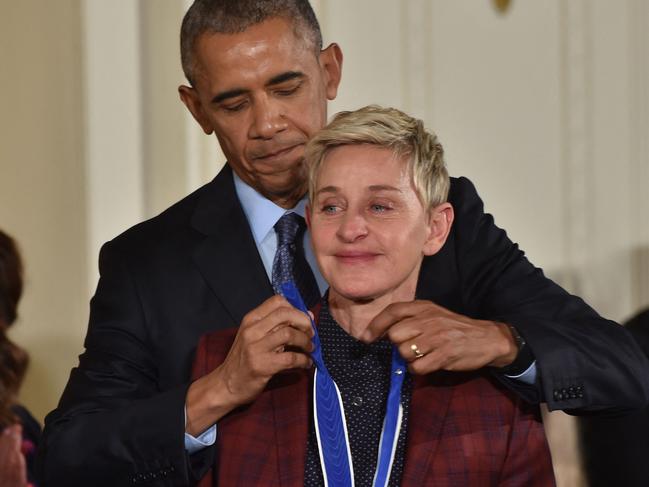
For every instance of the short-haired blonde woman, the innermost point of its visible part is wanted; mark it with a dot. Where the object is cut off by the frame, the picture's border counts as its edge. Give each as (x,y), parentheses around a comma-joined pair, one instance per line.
(366,415)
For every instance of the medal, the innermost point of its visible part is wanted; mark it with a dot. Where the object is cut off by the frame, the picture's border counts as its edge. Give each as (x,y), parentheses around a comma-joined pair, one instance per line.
(329,415)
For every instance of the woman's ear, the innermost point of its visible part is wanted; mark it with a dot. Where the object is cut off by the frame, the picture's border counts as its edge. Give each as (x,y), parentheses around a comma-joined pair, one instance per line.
(307,215)
(440,220)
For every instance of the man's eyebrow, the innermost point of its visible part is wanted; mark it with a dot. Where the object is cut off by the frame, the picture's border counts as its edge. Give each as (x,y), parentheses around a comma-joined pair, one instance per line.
(279,79)
(228,94)
(287,76)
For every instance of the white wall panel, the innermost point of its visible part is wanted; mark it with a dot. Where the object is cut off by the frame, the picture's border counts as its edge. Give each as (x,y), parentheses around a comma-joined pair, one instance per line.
(113,121)
(177,156)
(495,94)
(369,33)
(638,47)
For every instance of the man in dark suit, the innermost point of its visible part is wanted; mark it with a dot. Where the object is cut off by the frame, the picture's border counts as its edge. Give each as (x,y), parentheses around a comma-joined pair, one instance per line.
(260,81)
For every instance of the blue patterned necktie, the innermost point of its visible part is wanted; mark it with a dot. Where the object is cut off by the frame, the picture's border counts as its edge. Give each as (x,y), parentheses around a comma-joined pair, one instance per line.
(289,263)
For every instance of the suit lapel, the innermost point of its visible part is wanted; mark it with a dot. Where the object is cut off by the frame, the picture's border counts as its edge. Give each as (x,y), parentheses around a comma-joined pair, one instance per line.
(293,417)
(227,257)
(291,405)
(428,408)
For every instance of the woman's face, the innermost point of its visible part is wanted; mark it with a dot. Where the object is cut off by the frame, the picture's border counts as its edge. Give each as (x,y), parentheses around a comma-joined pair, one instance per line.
(368,227)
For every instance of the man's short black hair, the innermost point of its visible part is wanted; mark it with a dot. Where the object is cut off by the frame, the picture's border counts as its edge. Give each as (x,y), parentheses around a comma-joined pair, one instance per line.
(233,16)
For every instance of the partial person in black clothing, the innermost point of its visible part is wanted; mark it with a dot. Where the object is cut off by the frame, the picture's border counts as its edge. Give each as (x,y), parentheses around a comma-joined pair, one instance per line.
(20,431)
(615,450)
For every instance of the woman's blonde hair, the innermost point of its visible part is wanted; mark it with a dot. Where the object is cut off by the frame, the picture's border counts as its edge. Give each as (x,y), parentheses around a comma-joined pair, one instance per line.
(392,129)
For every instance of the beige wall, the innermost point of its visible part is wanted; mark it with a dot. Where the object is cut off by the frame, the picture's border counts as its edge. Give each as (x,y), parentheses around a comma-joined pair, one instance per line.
(42,196)
(545,108)
(177,157)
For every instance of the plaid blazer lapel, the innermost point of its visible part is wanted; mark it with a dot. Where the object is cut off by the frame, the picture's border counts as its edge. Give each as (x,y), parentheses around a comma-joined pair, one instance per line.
(428,408)
(291,412)
(292,407)
(274,427)
(210,352)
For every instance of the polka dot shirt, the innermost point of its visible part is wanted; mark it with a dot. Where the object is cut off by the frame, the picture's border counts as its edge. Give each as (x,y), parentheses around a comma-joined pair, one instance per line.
(362,373)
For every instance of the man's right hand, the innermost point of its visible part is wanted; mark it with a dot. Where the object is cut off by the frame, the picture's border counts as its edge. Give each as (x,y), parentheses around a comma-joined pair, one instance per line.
(272,338)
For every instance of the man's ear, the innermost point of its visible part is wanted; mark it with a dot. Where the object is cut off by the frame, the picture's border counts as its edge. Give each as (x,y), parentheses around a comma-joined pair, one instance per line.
(331,62)
(190,98)
(440,220)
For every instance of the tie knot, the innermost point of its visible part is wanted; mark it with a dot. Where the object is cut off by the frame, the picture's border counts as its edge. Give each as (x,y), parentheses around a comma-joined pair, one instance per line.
(288,227)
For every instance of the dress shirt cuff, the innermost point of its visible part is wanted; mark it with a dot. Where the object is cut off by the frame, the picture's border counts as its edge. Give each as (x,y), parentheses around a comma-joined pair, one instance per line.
(528,377)
(205,439)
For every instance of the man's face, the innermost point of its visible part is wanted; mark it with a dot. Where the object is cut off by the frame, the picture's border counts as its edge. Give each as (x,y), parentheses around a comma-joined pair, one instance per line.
(264,93)
(369,229)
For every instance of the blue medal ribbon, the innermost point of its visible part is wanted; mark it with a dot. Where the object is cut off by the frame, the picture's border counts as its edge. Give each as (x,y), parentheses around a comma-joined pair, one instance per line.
(329,414)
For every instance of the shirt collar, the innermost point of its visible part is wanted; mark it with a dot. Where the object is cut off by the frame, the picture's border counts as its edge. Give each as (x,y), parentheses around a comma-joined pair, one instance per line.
(262,214)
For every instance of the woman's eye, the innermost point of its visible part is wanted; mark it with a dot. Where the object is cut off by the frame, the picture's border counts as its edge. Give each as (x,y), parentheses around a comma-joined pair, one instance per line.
(329,209)
(377,208)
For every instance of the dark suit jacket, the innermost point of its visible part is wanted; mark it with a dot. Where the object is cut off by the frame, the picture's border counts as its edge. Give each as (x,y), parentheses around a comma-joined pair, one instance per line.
(465,429)
(195,268)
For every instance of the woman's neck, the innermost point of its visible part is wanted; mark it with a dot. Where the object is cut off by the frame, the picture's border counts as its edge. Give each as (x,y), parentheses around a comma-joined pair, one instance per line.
(354,316)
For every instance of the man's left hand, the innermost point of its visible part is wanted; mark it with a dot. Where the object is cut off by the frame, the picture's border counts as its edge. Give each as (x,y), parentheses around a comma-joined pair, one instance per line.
(447,340)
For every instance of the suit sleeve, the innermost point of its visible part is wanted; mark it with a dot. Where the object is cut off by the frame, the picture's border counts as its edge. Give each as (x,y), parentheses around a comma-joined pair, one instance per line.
(114,425)
(585,363)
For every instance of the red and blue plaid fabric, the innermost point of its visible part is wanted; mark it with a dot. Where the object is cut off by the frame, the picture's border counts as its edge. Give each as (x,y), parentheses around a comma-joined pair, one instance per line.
(464,429)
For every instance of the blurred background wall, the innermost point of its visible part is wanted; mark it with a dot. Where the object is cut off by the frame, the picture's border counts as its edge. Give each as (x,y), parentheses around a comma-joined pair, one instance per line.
(544,105)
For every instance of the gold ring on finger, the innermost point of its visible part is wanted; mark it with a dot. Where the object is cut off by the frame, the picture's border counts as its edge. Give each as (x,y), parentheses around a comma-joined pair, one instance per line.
(418,353)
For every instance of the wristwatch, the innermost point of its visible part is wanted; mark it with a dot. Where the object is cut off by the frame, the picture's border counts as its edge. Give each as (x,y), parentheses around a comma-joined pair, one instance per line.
(524,357)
